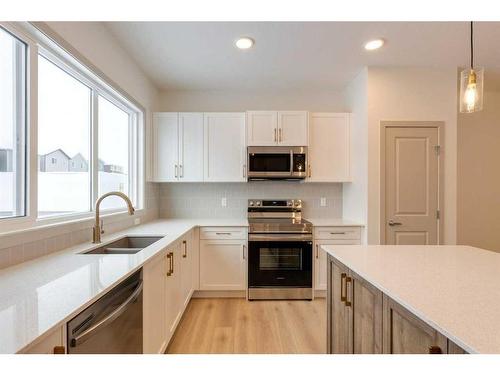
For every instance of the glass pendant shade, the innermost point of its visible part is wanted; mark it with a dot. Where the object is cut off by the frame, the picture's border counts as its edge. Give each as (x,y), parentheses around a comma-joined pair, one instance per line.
(471,90)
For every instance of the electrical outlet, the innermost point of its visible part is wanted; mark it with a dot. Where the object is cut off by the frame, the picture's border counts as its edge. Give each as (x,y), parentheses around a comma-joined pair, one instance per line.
(323,202)
(137,221)
(223,202)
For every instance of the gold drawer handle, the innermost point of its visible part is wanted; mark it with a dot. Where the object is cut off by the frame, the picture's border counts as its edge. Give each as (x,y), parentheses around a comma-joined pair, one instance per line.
(343,276)
(347,281)
(170,257)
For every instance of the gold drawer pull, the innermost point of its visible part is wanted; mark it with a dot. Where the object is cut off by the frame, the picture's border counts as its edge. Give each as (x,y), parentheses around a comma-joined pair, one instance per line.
(347,281)
(343,276)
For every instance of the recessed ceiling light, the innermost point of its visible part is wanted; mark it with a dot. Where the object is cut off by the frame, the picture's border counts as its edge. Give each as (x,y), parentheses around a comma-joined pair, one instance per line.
(374,44)
(244,43)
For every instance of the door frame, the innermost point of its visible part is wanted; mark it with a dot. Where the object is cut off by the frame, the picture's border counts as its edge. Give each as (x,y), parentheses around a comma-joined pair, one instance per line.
(439,125)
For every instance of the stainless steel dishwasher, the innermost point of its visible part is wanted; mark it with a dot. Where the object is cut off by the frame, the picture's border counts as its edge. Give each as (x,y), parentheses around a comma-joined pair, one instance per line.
(112,324)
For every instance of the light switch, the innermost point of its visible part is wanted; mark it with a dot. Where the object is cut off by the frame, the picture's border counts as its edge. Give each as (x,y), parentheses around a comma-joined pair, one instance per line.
(223,202)
(323,202)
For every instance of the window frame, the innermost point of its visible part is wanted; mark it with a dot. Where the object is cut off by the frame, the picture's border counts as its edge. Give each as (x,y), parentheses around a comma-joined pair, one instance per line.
(40,44)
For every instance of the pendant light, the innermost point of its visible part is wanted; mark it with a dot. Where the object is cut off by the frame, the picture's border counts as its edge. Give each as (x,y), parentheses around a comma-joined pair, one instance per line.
(471,83)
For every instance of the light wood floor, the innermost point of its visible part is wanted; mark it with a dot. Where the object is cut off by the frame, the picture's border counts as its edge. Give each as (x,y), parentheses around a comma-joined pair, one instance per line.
(234,325)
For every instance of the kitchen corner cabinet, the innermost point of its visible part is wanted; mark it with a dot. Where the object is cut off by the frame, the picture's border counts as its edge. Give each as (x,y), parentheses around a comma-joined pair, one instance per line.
(277,128)
(329,147)
(178,147)
(224,147)
(362,320)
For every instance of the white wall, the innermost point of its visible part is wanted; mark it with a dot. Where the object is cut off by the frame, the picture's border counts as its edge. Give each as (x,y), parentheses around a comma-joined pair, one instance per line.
(239,101)
(355,193)
(478,215)
(418,94)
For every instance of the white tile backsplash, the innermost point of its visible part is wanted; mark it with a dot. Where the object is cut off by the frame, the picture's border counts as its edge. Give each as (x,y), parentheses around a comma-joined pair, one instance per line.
(201,200)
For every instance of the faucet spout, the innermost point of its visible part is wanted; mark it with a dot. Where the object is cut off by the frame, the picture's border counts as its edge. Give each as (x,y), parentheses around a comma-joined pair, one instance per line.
(97,224)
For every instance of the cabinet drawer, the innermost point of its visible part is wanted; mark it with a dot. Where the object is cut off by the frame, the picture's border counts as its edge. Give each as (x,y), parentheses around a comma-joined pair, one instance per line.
(337,233)
(223,233)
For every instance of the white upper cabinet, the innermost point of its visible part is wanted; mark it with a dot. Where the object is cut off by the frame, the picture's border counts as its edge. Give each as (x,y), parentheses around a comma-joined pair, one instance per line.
(292,128)
(225,150)
(178,147)
(277,128)
(262,128)
(329,147)
(165,146)
(190,147)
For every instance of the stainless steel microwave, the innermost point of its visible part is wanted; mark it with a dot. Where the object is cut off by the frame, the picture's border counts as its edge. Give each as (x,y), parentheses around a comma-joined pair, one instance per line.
(277,163)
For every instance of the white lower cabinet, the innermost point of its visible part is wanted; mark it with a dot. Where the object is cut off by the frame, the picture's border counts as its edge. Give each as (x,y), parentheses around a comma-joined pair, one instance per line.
(330,236)
(168,286)
(223,264)
(154,296)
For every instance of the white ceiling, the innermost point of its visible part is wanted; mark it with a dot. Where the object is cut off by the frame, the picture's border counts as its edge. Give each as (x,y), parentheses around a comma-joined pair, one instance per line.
(295,55)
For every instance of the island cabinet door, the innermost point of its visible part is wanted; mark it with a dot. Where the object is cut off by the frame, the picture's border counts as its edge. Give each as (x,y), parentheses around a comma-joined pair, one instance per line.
(339,337)
(404,333)
(367,304)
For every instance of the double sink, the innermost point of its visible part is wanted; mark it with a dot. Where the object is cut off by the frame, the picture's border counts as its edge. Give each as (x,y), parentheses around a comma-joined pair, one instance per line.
(125,245)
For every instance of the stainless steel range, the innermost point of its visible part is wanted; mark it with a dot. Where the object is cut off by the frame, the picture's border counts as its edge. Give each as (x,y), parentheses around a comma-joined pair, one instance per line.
(279,250)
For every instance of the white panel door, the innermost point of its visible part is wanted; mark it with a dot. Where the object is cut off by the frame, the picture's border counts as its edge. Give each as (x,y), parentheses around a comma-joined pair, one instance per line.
(154,320)
(173,300)
(166,150)
(225,150)
(292,128)
(329,147)
(411,185)
(262,128)
(190,147)
(222,265)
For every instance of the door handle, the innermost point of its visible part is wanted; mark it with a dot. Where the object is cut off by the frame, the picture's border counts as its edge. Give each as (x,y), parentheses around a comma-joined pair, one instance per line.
(394,223)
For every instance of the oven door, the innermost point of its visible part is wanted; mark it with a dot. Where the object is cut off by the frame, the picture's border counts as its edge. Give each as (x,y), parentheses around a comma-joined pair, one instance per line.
(276,262)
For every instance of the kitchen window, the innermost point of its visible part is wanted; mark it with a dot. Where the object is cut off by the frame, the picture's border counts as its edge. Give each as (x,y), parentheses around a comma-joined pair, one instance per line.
(66,135)
(12,126)
(91,136)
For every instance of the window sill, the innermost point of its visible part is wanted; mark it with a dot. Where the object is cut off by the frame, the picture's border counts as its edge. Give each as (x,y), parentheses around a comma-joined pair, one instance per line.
(49,227)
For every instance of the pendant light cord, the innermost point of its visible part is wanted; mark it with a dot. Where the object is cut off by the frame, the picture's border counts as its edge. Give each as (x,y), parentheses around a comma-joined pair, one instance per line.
(471,45)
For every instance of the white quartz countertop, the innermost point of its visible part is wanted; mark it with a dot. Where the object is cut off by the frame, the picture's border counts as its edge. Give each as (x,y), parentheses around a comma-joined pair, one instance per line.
(333,222)
(454,289)
(39,295)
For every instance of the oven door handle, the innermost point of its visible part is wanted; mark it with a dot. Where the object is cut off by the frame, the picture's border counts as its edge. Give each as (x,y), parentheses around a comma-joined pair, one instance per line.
(85,335)
(274,237)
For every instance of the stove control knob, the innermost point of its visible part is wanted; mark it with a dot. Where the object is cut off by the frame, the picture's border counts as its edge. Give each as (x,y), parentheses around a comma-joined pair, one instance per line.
(257,203)
(289,203)
(298,203)
(251,203)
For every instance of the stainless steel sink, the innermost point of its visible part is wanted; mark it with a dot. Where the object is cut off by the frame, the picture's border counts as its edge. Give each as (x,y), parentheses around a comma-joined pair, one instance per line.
(125,245)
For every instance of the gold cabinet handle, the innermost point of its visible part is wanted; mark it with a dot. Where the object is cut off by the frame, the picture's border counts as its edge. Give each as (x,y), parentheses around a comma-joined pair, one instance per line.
(435,350)
(170,257)
(185,254)
(280,132)
(275,140)
(317,255)
(176,168)
(343,276)
(309,170)
(348,280)
(243,250)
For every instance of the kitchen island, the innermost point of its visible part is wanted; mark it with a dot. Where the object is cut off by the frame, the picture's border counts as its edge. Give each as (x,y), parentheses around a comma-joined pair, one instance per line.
(413,299)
